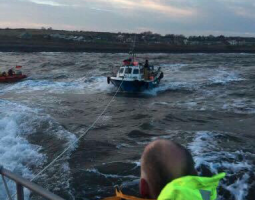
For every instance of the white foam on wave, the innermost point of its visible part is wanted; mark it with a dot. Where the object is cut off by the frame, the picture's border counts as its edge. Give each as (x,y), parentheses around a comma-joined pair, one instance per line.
(97,84)
(81,85)
(160,103)
(123,145)
(16,153)
(239,188)
(93,170)
(173,67)
(189,105)
(127,184)
(137,163)
(176,79)
(41,85)
(166,85)
(207,152)
(224,76)
(241,105)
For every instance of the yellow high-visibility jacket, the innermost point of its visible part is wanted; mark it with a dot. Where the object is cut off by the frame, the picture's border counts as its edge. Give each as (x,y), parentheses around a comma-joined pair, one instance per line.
(192,188)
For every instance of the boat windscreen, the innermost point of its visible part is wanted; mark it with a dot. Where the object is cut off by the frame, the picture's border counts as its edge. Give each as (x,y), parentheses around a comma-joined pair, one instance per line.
(121,70)
(128,70)
(135,71)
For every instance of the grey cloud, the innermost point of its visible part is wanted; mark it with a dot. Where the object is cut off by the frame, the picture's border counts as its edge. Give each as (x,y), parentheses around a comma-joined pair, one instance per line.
(230,17)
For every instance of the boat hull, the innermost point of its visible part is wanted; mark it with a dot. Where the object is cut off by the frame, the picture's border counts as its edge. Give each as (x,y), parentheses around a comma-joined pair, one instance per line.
(12,79)
(134,85)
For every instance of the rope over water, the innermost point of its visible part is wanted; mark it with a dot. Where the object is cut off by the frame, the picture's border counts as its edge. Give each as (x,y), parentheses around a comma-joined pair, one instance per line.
(82,135)
(74,142)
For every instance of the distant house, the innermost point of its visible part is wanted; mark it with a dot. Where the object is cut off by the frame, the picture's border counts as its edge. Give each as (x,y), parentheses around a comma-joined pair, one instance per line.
(250,43)
(185,41)
(25,36)
(211,43)
(232,42)
(129,40)
(56,35)
(47,37)
(193,42)
(120,38)
(242,43)
(81,38)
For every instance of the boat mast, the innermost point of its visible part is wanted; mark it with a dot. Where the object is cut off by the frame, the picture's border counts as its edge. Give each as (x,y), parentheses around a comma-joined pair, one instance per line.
(133,49)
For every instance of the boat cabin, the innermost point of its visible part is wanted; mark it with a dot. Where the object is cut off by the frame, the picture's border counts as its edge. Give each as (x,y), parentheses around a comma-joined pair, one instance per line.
(131,72)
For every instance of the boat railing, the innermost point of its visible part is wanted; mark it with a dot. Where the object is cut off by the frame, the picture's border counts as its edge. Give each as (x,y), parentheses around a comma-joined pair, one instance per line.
(21,183)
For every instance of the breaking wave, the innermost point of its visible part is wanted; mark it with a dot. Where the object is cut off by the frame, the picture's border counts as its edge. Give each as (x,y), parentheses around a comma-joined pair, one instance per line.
(175,80)
(225,76)
(211,158)
(79,86)
(17,124)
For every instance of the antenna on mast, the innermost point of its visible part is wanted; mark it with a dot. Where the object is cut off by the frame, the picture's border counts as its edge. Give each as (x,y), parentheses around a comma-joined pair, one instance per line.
(133,48)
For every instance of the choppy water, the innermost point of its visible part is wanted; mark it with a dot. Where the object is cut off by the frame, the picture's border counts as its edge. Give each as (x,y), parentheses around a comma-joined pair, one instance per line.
(205,101)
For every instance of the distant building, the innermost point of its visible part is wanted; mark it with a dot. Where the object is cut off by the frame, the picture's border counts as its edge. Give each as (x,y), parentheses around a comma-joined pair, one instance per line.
(56,35)
(193,43)
(143,38)
(25,36)
(120,38)
(250,43)
(81,38)
(129,40)
(232,42)
(242,43)
(185,41)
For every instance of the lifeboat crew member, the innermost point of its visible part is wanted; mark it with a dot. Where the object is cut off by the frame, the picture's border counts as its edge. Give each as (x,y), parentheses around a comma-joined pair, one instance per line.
(127,61)
(168,172)
(10,72)
(146,70)
(146,65)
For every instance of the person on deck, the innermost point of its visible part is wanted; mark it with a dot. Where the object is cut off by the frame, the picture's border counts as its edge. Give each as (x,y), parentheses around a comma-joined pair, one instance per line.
(127,62)
(146,65)
(168,173)
(10,72)
(146,70)
(4,74)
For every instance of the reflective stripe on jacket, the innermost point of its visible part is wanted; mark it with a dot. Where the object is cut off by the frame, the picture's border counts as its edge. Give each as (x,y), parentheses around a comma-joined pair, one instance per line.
(192,188)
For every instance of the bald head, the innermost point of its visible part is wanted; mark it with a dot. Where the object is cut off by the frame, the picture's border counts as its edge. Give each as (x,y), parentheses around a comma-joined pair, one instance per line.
(163,161)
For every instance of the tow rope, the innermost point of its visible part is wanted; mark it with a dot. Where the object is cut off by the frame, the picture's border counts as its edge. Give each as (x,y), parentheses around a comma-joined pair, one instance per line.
(82,135)
(74,142)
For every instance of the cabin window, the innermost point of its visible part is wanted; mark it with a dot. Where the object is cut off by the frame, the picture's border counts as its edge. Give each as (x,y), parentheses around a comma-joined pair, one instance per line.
(128,70)
(121,70)
(135,71)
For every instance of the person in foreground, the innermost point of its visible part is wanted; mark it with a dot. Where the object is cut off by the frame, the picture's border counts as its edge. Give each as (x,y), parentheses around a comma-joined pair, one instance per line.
(168,173)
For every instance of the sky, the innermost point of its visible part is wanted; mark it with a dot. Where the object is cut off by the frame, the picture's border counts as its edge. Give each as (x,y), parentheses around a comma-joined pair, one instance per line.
(187,17)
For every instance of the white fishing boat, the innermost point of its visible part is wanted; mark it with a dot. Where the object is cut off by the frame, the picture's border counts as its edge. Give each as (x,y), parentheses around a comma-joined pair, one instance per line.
(133,76)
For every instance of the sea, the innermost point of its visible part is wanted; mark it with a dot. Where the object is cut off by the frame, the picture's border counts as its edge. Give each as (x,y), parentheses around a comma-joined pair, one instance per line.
(206,102)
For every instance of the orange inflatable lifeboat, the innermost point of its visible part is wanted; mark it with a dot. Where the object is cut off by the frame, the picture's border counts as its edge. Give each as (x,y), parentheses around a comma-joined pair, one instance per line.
(12,75)
(12,79)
